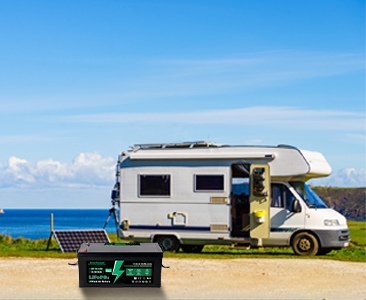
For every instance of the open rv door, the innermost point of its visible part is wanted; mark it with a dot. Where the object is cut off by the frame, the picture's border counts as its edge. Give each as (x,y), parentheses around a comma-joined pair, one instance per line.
(260,198)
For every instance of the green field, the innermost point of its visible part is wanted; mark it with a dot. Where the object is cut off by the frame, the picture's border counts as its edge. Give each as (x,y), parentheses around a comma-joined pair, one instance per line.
(358,232)
(356,252)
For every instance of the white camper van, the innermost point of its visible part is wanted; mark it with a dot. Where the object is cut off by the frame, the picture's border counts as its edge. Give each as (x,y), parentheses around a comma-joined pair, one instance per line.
(193,194)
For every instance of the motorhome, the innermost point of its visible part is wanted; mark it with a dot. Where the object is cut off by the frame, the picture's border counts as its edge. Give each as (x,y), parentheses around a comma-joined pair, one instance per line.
(188,195)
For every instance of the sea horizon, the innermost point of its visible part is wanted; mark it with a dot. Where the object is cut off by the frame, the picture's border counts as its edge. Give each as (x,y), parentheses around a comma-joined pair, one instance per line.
(34,223)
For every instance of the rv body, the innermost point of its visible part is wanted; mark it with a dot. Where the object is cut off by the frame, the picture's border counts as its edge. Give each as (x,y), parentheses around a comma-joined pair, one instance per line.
(194,194)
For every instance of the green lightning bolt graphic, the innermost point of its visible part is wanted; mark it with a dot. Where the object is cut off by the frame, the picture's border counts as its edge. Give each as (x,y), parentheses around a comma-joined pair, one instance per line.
(116,269)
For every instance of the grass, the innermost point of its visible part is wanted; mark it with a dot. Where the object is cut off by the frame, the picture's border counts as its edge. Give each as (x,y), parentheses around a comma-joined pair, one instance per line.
(352,253)
(356,252)
(358,232)
(21,247)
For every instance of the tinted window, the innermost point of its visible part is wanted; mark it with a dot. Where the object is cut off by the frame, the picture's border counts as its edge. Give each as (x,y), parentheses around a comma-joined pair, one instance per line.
(209,182)
(154,185)
(281,196)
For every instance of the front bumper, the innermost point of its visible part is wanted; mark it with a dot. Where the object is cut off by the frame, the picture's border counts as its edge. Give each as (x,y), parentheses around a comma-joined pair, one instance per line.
(333,238)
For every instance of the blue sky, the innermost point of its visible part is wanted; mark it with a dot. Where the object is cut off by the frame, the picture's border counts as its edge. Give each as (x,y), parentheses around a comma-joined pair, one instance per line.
(81,81)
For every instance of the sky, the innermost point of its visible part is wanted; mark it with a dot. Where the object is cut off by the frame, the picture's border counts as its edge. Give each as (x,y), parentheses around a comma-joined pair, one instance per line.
(81,81)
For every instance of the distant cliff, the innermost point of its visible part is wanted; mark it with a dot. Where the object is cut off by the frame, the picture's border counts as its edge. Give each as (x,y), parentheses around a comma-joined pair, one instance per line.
(350,202)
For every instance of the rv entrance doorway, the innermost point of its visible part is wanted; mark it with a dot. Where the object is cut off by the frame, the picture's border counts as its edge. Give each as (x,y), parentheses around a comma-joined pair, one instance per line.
(240,207)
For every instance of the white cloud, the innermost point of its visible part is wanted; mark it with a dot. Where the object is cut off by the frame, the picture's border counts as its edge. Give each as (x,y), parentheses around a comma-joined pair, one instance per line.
(343,178)
(94,170)
(86,170)
(259,115)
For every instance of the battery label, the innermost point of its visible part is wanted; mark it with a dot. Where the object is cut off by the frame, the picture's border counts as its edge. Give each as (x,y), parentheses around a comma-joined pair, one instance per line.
(119,272)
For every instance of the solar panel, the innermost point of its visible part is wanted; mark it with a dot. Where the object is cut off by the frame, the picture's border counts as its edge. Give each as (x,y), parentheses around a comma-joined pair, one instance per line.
(70,240)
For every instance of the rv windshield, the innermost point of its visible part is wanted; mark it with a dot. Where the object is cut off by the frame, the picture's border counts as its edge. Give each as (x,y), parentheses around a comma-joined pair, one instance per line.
(311,199)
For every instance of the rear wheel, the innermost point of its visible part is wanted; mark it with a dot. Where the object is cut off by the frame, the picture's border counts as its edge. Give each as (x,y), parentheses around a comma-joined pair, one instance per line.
(305,244)
(168,242)
(192,248)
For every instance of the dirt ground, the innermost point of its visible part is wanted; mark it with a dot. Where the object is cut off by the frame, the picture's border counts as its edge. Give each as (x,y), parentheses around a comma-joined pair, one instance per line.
(29,278)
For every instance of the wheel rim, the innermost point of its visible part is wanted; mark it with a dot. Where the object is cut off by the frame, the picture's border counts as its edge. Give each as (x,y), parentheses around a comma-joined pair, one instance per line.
(305,245)
(167,243)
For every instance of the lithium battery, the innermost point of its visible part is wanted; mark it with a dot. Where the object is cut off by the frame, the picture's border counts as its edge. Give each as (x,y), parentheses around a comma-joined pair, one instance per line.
(120,265)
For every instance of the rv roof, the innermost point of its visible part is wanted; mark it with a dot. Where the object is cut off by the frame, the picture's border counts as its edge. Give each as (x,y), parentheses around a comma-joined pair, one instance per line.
(177,145)
(285,160)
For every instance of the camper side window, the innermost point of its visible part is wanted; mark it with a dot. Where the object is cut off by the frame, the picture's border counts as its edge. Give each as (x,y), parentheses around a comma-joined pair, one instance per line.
(281,196)
(209,183)
(154,185)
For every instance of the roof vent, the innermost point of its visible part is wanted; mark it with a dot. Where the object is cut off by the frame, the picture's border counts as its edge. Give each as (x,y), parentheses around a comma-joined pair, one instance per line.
(195,144)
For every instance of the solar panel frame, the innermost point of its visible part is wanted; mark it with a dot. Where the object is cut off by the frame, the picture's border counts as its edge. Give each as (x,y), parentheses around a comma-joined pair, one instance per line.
(70,240)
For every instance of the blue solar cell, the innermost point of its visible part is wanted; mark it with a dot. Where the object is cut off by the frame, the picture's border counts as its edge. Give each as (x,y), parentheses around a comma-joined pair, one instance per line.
(70,240)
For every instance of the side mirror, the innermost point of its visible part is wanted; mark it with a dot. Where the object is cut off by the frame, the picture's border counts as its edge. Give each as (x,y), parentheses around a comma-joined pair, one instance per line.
(296,207)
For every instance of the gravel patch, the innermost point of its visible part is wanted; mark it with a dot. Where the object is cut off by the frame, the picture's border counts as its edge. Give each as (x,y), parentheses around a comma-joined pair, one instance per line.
(48,278)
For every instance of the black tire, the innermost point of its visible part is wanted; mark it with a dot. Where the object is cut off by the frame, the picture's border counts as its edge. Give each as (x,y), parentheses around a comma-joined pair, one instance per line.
(168,242)
(324,251)
(192,248)
(305,244)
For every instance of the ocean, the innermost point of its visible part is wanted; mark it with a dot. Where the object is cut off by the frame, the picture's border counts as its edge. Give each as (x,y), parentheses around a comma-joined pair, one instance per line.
(35,223)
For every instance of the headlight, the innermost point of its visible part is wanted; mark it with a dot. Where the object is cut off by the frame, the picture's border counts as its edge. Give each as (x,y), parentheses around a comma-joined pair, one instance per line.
(331,222)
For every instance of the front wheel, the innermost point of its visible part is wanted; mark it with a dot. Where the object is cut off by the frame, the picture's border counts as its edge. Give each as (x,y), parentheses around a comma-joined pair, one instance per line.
(305,244)
(168,242)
